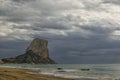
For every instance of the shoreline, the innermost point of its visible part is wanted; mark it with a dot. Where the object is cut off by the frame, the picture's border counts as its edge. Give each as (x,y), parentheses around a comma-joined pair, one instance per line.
(23,74)
(20,72)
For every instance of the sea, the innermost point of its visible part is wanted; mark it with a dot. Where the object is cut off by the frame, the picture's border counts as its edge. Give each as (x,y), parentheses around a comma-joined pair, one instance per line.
(74,71)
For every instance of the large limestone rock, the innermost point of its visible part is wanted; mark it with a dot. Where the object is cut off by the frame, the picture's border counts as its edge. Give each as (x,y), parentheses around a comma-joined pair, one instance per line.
(36,53)
(39,47)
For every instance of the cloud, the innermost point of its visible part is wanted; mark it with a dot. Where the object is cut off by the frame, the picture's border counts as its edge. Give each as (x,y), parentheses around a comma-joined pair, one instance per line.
(112,1)
(83,26)
(22,0)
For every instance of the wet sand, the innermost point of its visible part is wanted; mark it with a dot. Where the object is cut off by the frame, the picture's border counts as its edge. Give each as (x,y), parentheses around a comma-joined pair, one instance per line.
(21,74)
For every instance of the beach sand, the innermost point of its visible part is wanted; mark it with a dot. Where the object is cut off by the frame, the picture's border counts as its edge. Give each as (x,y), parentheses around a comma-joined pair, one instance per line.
(21,74)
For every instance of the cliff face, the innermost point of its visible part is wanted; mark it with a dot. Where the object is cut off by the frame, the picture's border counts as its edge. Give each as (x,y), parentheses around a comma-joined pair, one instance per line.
(36,53)
(39,47)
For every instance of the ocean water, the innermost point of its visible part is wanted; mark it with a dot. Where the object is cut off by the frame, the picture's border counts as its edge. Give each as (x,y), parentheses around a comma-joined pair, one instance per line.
(76,71)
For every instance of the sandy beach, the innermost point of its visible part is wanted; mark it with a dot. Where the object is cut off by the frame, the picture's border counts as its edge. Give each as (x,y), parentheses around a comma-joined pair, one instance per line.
(21,74)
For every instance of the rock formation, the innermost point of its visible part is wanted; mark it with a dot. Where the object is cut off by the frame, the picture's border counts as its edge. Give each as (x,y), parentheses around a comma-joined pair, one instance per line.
(39,47)
(36,53)
(1,62)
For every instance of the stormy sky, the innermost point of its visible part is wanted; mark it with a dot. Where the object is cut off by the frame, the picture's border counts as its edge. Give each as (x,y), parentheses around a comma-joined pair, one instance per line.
(78,31)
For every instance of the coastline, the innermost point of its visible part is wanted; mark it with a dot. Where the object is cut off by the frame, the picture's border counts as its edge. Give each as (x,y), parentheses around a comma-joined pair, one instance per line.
(59,72)
(22,74)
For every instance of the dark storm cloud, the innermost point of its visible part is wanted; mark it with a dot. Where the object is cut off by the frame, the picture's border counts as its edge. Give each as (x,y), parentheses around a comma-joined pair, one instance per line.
(22,0)
(12,48)
(43,26)
(52,25)
(85,50)
(112,1)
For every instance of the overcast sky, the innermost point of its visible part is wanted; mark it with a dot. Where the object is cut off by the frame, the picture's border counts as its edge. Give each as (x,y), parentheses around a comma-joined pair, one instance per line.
(78,31)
